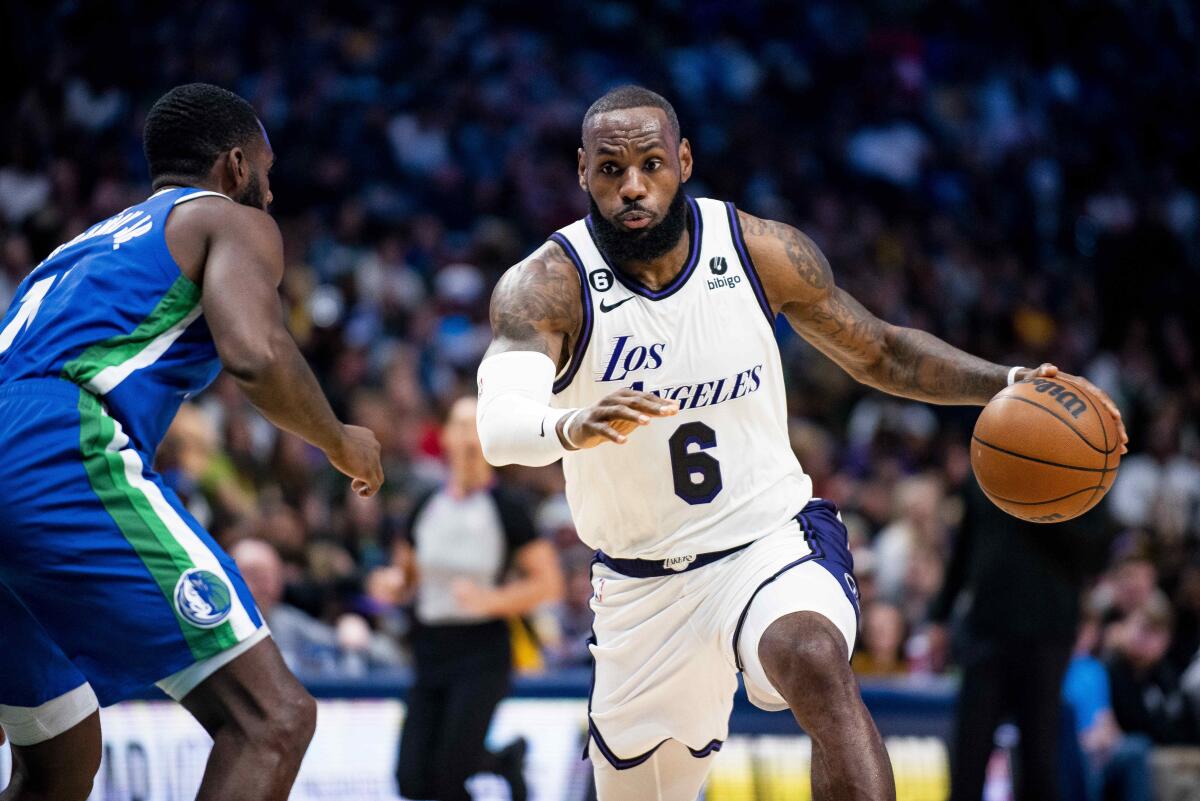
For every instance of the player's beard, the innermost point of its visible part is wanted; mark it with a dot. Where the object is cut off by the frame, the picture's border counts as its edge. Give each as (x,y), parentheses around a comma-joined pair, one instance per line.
(252,195)
(623,246)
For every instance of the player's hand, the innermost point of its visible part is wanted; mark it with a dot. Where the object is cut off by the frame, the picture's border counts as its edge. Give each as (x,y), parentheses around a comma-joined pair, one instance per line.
(357,456)
(617,416)
(1050,371)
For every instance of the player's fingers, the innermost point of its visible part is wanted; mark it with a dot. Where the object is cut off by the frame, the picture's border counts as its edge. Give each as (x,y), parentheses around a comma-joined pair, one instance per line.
(1047,370)
(361,488)
(647,402)
(600,428)
(618,412)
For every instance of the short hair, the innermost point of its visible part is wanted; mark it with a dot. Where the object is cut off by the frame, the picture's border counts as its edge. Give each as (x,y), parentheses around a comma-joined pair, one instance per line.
(632,96)
(189,127)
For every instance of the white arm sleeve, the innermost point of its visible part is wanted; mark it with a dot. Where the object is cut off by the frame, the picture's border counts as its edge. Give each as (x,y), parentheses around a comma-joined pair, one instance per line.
(515,420)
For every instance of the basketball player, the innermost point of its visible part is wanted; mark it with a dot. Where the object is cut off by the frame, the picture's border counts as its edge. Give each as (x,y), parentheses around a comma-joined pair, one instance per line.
(638,346)
(107,584)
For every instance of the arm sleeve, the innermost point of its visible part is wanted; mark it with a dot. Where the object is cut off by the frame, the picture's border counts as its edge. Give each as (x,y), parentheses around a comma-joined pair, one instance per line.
(515,420)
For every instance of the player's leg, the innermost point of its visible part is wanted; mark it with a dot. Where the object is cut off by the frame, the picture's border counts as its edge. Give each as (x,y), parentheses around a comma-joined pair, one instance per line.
(793,642)
(59,769)
(47,710)
(261,720)
(806,658)
(671,773)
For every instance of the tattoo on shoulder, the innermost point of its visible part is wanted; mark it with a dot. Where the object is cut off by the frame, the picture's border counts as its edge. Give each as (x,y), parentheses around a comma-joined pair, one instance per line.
(802,253)
(537,297)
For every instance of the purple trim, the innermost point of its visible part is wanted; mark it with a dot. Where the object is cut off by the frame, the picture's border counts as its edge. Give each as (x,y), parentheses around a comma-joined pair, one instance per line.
(737,632)
(843,560)
(739,242)
(677,283)
(585,297)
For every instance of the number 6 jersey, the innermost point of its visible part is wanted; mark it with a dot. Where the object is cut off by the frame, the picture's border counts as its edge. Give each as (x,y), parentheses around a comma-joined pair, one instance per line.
(721,472)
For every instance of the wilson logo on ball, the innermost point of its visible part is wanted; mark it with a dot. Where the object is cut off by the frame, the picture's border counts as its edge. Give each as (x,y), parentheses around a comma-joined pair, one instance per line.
(1065,397)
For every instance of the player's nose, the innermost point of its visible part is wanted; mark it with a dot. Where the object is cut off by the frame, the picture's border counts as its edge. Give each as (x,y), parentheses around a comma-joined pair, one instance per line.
(633,187)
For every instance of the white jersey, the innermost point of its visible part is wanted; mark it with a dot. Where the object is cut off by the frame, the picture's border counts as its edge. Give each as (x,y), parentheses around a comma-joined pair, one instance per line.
(720,473)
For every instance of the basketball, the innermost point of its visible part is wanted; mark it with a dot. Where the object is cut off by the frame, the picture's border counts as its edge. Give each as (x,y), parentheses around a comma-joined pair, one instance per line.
(1045,450)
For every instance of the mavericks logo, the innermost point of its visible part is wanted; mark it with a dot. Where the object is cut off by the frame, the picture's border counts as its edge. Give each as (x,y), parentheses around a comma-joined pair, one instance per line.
(203,598)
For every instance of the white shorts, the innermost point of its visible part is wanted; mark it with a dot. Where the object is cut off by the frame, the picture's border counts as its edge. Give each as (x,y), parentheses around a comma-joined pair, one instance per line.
(668,649)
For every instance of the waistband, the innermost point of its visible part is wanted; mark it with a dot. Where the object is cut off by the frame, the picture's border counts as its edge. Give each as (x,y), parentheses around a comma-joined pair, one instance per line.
(42,388)
(652,568)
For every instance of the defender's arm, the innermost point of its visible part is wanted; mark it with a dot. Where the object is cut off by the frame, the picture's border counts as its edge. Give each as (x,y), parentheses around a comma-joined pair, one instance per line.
(901,361)
(537,315)
(240,297)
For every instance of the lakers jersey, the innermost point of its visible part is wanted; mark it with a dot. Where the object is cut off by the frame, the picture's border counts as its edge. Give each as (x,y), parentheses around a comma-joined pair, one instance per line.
(721,472)
(111,312)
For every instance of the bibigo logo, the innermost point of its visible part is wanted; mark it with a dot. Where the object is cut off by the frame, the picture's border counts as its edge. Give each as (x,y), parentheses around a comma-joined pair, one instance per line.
(203,598)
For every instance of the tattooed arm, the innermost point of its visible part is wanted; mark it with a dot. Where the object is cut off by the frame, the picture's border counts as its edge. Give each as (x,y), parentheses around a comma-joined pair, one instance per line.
(537,311)
(901,361)
(536,306)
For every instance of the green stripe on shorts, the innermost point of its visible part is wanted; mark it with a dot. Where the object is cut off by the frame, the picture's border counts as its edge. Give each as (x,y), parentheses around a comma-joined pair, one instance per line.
(143,529)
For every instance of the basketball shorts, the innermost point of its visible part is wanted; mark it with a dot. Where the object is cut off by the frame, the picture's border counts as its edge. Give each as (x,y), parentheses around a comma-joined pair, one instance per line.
(107,584)
(667,649)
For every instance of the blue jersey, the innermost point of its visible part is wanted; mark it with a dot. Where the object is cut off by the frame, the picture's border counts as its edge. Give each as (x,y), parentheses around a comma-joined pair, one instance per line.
(111,311)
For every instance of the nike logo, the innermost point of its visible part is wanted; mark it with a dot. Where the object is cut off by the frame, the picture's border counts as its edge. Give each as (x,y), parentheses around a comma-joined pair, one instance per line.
(543,427)
(605,308)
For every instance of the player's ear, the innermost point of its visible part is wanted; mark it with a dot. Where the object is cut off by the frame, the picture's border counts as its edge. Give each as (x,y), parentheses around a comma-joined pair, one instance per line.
(237,168)
(685,160)
(581,167)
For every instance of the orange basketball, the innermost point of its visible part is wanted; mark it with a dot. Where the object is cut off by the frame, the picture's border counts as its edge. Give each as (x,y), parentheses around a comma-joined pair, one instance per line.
(1045,450)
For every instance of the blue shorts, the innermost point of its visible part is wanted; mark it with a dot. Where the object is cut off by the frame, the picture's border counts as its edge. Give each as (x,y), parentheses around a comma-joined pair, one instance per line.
(105,578)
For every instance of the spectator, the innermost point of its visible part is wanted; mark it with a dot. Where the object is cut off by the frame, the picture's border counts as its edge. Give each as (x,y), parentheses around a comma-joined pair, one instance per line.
(309,647)
(881,649)
(1115,764)
(1147,693)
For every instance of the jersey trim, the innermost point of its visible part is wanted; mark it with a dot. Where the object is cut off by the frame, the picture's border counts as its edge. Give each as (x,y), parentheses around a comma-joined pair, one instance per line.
(739,242)
(680,279)
(585,298)
(201,193)
(103,366)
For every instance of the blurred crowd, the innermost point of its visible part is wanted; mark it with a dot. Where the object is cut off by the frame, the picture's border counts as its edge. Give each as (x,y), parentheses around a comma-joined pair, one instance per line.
(1022,183)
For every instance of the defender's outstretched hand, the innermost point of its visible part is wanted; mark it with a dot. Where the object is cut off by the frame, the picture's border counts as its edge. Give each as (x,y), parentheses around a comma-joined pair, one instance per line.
(1050,371)
(357,455)
(615,417)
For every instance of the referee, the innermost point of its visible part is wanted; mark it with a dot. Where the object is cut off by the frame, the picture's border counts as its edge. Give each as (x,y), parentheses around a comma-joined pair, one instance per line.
(472,560)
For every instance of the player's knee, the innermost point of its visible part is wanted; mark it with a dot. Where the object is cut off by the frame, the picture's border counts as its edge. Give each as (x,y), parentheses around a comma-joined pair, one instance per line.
(287,727)
(804,653)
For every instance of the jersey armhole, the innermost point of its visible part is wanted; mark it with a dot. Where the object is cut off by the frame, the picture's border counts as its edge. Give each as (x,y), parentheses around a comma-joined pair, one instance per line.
(585,298)
(166,260)
(739,243)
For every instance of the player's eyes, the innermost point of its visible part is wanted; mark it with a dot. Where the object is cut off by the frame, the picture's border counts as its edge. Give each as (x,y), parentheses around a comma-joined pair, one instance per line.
(653,164)
(608,168)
